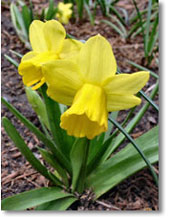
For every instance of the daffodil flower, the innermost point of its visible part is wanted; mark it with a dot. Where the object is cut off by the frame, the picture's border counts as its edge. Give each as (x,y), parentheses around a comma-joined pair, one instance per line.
(48,43)
(64,12)
(92,88)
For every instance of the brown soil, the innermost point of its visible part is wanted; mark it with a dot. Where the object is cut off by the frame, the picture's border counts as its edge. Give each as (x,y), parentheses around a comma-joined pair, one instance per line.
(137,192)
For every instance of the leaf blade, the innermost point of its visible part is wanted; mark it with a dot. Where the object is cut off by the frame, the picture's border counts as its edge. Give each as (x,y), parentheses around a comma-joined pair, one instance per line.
(20,144)
(59,204)
(125,163)
(33,198)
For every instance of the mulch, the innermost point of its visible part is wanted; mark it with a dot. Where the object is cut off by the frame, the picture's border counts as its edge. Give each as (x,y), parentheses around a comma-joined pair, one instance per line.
(135,193)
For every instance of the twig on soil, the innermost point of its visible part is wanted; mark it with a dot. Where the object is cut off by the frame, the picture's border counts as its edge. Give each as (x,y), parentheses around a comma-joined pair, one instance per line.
(26,175)
(8,178)
(107,205)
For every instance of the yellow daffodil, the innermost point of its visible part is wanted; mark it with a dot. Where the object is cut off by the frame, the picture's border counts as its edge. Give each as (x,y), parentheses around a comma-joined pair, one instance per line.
(92,88)
(64,12)
(48,43)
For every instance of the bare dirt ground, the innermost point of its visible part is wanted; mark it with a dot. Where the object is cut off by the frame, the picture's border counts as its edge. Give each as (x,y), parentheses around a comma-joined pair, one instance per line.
(137,192)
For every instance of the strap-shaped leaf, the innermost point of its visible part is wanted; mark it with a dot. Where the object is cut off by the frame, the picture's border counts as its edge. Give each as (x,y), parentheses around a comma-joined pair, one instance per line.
(11,60)
(119,139)
(47,142)
(146,39)
(18,22)
(125,163)
(49,158)
(103,150)
(27,17)
(33,198)
(38,105)
(143,68)
(59,204)
(51,10)
(54,113)
(80,4)
(95,147)
(77,156)
(110,125)
(133,142)
(20,144)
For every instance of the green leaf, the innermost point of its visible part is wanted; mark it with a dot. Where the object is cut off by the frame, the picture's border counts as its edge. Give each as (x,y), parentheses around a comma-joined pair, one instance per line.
(115,19)
(113,9)
(95,147)
(146,39)
(57,153)
(102,4)
(50,10)
(54,113)
(142,68)
(100,155)
(133,142)
(11,60)
(135,27)
(140,19)
(27,17)
(123,164)
(18,23)
(115,143)
(24,149)
(59,204)
(49,158)
(110,125)
(37,105)
(118,30)
(91,17)
(80,4)
(154,35)
(149,100)
(76,156)
(16,53)
(33,198)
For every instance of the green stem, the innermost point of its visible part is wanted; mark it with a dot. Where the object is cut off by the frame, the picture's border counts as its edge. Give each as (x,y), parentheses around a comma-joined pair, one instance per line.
(128,116)
(81,182)
(137,148)
(149,100)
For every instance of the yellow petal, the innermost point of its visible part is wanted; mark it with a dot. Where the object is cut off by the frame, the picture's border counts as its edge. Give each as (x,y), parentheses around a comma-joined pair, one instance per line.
(30,67)
(62,6)
(38,85)
(71,48)
(54,34)
(28,56)
(30,72)
(36,36)
(121,102)
(87,117)
(63,79)
(127,84)
(96,60)
(48,36)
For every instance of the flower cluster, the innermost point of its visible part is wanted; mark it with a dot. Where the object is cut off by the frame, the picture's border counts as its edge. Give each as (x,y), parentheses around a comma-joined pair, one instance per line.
(79,75)
(64,12)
